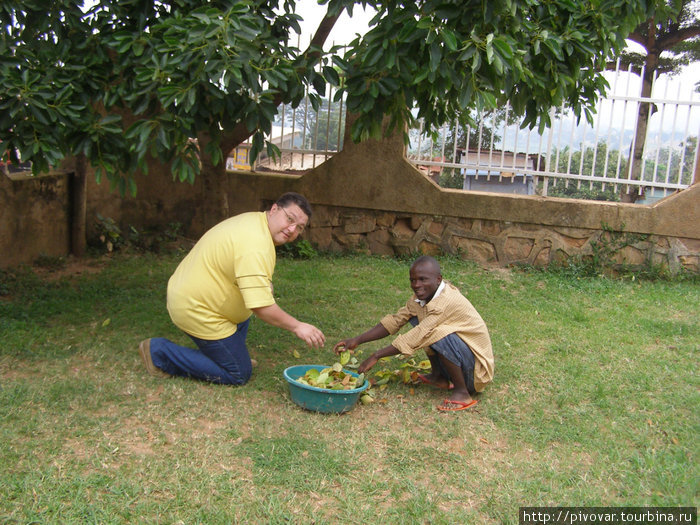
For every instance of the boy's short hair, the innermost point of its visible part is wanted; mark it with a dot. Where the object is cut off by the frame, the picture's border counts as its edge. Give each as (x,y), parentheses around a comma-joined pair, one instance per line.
(429,261)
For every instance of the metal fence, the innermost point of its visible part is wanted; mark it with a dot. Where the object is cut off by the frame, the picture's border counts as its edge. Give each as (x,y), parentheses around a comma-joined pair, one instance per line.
(304,136)
(568,158)
(573,158)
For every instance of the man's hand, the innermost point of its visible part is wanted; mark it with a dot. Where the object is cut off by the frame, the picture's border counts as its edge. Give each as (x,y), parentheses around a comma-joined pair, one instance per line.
(275,316)
(346,344)
(311,335)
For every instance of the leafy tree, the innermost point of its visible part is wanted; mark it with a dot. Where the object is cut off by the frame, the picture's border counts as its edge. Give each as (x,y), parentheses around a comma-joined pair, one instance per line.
(591,161)
(122,82)
(670,39)
(119,82)
(673,161)
(599,161)
(592,192)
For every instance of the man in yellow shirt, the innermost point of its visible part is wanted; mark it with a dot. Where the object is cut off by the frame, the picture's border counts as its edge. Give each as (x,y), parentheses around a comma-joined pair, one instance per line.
(226,277)
(450,329)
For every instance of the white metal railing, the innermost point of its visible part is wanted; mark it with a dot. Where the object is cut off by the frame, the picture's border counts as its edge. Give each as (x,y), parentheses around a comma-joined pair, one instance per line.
(304,136)
(496,155)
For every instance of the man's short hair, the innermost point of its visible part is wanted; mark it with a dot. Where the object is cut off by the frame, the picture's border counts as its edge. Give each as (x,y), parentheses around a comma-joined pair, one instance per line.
(295,198)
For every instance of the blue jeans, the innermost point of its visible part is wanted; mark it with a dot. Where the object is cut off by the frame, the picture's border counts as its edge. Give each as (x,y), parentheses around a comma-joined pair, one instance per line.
(456,351)
(223,361)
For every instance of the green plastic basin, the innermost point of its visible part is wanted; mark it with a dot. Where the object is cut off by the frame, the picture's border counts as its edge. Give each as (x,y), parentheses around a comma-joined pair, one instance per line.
(321,399)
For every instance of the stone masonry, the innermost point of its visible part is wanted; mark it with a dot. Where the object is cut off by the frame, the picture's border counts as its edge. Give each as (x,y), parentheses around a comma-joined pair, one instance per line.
(486,242)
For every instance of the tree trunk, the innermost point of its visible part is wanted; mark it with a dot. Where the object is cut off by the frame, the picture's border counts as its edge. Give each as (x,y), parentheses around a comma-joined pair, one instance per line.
(215,185)
(632,193)
(78,193)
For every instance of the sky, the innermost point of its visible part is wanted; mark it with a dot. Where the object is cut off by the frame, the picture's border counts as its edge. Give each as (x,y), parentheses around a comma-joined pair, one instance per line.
(345,28)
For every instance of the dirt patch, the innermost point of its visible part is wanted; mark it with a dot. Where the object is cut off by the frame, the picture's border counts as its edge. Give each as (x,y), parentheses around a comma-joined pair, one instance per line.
(61,268)
(51,270)
(505,274)
(12,370)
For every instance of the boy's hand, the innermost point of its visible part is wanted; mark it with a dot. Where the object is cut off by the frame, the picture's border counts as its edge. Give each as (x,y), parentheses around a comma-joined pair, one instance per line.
(345,344)
(367,364)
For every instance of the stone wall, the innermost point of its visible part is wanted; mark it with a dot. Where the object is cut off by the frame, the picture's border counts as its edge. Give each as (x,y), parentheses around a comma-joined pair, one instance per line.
(370,198)
(35,212)
(488,242)
(513,239)
(34,218)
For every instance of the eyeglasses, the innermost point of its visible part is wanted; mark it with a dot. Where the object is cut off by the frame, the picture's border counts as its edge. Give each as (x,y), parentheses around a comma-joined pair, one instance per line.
(291,221)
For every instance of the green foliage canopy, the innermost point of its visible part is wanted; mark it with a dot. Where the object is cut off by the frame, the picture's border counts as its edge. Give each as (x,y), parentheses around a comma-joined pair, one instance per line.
(120,81)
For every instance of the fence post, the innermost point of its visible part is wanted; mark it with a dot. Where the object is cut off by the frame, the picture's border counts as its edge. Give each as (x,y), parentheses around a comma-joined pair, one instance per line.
(696,173)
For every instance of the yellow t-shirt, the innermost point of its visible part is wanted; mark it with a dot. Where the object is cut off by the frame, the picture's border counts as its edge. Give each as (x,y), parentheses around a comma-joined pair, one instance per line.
(226,274)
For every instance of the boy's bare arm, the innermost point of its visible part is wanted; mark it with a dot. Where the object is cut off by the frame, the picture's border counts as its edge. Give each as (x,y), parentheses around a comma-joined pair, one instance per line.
(376,356)
(377,332)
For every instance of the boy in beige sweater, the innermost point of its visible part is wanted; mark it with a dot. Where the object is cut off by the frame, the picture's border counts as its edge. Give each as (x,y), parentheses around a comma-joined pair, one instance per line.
(447,326)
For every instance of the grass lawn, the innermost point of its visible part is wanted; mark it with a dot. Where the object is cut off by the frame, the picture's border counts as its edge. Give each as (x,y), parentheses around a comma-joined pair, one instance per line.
(594,403)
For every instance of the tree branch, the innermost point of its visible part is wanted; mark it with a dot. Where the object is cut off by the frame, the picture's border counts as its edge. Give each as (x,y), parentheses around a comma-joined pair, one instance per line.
(667,41)
(240,132)
(322,31)
(637,37)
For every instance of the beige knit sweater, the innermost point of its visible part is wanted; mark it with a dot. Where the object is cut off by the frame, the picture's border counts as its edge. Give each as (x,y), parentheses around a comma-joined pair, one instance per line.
(448,313)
